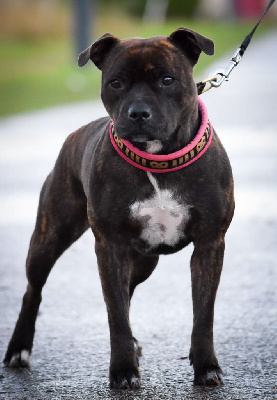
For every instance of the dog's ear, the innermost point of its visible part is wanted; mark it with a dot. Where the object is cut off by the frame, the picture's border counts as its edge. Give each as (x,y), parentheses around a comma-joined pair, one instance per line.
(98,51)
(191,43)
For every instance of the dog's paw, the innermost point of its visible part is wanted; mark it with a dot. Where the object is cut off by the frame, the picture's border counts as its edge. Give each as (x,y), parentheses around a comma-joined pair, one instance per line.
(125,380)
(21,359)
(211,377)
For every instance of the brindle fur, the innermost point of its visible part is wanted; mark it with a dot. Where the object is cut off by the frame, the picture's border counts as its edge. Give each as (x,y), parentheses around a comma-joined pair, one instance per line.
(91,185)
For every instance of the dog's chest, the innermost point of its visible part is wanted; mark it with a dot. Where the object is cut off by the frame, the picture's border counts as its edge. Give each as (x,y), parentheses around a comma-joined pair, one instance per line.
(162,217)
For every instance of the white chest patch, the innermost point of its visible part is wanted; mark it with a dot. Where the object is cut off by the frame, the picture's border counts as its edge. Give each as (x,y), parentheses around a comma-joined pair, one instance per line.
(163,218)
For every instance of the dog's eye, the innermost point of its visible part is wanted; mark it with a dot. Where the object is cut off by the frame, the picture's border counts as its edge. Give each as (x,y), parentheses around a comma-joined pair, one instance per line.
(167,80)
(115,84)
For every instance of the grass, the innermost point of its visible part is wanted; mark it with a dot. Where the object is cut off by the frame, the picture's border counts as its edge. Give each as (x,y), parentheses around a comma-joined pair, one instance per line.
(38,72)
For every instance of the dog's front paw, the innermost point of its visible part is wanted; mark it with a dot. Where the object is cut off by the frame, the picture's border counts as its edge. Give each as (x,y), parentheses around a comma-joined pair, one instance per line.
(21,359)
(211,377)
(206,373)
(128,379)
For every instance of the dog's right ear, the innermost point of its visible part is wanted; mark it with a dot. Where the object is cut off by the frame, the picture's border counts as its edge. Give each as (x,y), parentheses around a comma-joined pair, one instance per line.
(98,51)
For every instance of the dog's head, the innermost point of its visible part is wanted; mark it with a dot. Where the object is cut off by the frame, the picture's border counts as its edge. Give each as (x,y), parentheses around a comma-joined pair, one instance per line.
(147,84)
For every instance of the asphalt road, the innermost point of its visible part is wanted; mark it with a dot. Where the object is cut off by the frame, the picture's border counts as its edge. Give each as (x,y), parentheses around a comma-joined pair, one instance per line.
(71,348)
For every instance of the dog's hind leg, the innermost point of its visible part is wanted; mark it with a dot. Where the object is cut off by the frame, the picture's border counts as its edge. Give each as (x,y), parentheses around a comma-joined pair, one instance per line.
(206,265)
(61,219)
(142,268)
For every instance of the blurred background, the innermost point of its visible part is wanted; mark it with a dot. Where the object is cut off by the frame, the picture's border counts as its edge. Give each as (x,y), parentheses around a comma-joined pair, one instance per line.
(40,40)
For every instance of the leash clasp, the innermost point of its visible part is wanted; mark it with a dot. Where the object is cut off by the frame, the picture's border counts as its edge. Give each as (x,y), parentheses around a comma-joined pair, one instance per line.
(222,74)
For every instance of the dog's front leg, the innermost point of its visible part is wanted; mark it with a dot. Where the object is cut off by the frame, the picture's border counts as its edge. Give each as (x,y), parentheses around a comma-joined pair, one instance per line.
(115,272)
(206,265)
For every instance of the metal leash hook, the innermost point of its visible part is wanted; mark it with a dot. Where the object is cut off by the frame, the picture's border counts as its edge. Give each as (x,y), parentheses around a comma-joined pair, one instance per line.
(222,74)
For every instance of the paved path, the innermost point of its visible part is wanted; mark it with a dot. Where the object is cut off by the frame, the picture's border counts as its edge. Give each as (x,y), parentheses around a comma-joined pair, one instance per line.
(71,349)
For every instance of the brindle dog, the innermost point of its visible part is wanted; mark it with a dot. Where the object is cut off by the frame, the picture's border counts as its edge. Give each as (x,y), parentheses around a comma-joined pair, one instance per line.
(149,93)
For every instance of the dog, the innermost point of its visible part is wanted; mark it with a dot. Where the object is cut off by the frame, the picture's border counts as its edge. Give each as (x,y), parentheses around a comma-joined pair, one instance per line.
(148,179)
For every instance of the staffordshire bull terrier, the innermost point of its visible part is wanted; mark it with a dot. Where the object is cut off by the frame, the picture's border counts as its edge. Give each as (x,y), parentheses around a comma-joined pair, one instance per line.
(148,179)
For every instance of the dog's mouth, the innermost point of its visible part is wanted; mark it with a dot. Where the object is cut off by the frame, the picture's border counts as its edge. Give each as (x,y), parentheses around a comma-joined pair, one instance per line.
(140,139)
(147,142)
(140,133)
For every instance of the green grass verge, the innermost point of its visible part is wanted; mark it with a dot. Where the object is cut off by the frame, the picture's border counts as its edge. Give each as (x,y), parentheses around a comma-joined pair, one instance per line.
(40,73)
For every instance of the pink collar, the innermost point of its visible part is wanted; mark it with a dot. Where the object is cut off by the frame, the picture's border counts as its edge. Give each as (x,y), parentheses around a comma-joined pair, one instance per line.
(166,162)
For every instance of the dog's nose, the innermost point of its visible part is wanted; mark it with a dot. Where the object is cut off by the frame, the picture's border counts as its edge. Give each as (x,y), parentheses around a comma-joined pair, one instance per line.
(139,112)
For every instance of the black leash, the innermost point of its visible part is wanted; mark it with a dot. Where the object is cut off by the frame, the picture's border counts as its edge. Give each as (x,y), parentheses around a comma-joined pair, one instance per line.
(222,74)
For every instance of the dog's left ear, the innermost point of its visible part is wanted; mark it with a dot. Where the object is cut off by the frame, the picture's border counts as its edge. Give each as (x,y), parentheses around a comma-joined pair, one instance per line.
(98,51)
(191,43)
